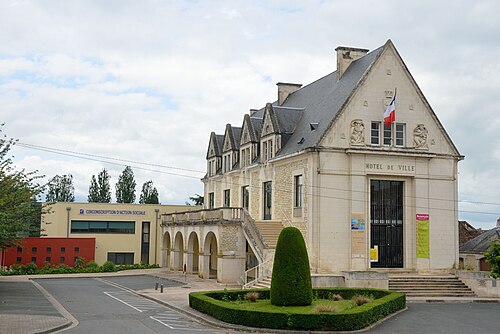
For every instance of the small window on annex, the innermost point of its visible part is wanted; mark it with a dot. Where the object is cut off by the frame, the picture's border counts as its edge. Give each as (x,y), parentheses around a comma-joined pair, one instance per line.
(298,191)
(227,198)
(245,197)
(211,200)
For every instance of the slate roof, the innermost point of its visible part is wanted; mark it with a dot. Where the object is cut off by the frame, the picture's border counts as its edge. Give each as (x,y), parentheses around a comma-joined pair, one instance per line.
(220,144)
(481,243)
(320,101)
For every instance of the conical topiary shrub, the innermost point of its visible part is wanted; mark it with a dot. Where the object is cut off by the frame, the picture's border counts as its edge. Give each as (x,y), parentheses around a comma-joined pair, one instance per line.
(291,282)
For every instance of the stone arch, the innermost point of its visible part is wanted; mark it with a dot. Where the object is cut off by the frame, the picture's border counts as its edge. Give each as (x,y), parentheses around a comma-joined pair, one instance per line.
(178,252)
(193,253)
(210,256)
(166,249)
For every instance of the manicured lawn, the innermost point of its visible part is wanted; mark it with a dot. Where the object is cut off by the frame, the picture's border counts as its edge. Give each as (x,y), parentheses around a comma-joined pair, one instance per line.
(265,305)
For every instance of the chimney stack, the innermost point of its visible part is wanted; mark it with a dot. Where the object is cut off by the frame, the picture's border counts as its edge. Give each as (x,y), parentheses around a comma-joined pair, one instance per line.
(345,56)
(498,222)
(285,89)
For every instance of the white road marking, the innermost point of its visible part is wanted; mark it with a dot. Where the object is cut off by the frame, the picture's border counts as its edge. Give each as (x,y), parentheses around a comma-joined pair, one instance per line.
(161,322)
(121,301)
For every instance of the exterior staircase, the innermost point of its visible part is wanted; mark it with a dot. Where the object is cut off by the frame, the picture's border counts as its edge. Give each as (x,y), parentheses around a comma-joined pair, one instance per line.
(262,284)
(430,286)
(270,230)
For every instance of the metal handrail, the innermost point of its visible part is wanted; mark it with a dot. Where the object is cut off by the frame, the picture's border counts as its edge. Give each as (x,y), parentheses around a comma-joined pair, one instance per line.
(260,271)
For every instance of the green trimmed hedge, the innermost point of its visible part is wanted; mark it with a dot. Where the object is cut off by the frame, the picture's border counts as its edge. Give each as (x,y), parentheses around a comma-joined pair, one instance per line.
(90,267)
(215,304)
(291,282)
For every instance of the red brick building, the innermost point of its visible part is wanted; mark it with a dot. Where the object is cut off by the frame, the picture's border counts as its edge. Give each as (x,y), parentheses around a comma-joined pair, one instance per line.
(49,250)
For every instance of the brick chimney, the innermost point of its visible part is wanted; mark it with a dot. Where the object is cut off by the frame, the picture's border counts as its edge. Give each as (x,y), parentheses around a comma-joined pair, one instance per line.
(285,89)
(345,56)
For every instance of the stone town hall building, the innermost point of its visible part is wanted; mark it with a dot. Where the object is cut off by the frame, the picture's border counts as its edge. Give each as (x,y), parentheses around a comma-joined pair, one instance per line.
(366,196)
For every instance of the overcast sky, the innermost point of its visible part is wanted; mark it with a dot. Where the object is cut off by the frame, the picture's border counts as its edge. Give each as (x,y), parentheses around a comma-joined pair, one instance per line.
(147,81)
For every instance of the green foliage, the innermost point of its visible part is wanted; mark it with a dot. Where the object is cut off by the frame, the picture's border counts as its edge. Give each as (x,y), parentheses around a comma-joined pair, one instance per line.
(197,199)
(80,267)
(100,190)
(79,263)
(125,187)
(385,303)
(149,194)
(108,266)
(493,258)
(291,281)
(19,210)
(61,189)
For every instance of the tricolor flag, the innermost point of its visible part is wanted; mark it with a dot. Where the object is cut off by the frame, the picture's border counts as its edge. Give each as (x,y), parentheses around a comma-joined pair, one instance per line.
(390,112)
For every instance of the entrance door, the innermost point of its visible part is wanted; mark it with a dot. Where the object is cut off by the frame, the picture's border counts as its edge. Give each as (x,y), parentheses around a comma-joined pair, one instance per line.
(386,224)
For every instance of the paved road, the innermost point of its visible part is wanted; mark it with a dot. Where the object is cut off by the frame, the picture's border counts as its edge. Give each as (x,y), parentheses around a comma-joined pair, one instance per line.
(466,318)
(103,308)
(24,298)
(141,282)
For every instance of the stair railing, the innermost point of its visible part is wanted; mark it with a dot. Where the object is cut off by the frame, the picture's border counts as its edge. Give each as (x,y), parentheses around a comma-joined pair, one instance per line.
(259,272)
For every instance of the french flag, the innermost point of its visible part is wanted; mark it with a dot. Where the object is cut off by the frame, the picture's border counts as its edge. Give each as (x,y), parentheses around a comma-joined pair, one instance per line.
(390,112)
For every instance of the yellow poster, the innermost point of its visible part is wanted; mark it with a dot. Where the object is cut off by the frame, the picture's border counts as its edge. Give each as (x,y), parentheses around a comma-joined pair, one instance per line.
(423,248)
(374,254)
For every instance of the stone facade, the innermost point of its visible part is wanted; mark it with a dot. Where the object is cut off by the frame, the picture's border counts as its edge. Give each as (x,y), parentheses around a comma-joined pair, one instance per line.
(366,196)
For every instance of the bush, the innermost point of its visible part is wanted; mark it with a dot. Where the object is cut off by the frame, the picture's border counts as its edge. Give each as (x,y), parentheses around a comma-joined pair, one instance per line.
(108,266)
(361,299)
(291,281)
(385,303)
(79,263)
(336,297)
(326,308)
(252,296)
(493,258)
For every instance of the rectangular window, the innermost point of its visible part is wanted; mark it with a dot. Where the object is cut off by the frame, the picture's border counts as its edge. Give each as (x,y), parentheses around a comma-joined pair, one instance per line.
(270,143)
(62,259)
(227,198)
(49,250)
(375,133)
(63,249)
(33,259)
(121,227)
(19,249)
(243,158)
(268,201)
(388,135)
(47,259)
(77,249)
(19,259)
(34,250)
(211,200)
(145,243)
(264,148)
(121,258)
(245,197)
(400,133)
(298,191)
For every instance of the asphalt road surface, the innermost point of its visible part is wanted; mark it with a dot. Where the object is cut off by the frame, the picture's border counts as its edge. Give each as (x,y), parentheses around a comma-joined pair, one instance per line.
(103,308)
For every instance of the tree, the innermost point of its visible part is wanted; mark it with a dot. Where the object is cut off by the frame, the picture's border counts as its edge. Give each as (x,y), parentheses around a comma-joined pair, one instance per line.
(125,187)
(19,212)
(197,199)
(493,258)
(291,281)
(61,189)
(100,190)
(149,194)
